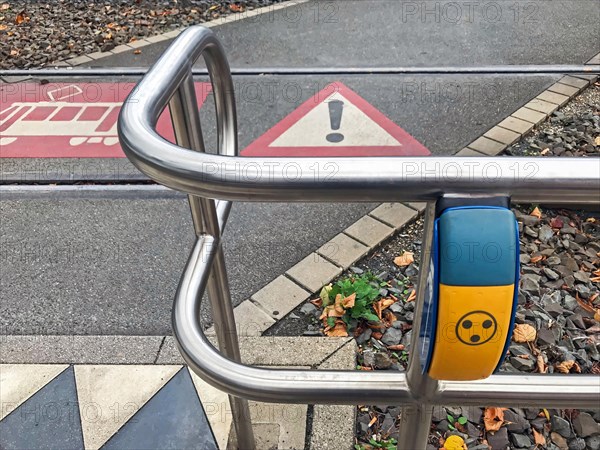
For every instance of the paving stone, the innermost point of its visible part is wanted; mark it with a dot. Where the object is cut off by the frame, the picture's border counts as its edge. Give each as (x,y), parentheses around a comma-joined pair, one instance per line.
(79,60)
(418,206)
(101,387)
(280,296)
(18,382)
(313,272)
(343,250)
(173,34)
(553,97)
(530,115)
(216,407)
(157,38)
(289,421)
(487,146)
(139,43)
(517,125)
(502,135)
(369,231)
(98,55)
(120,49)
(572,81)
(250,320)
(394,214)
(49,419)
(594,60)
(563,89)
(173,418)
(541,106)
(469,152)
(343,416)
(79,349)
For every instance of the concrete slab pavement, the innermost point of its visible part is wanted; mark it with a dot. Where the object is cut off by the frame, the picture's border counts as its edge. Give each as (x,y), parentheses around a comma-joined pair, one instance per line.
(117,405)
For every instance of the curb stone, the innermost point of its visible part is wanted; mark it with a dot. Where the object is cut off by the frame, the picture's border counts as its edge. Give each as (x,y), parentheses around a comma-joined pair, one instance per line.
(512,128)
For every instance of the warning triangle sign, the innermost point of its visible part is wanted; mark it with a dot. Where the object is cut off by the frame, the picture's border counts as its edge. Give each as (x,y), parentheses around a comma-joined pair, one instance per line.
(336,122)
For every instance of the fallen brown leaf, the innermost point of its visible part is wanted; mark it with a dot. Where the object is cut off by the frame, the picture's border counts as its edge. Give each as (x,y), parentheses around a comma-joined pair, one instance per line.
(585,305)
(541,365)
(381,305)
(338,330)
(137,51)
(556,223)
(3,27)
(493,418)
(537,258)
(524,332)
(236,8)
(568,366)
(538,437)
(412,296)
(348,302)
(404,259)
(317,302)
(536,213)
(21,17)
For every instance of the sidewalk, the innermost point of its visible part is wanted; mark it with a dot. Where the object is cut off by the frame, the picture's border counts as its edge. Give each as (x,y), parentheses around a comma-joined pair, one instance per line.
(103,404)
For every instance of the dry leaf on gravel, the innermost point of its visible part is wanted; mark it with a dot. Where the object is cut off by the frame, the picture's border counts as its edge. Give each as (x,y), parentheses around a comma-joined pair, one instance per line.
(537,258)
(568,367)
(597,140)
(541,365)
(404,259)
(3,27)
(21,17)
(317,302)
(381,305)
(338,330)
(524,332)
(536,213)
(412,296)
(236,8)
(538,437)
(348,302)
(493,418)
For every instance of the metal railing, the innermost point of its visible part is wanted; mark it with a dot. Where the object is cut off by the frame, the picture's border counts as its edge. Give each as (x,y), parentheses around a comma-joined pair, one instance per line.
(228,177)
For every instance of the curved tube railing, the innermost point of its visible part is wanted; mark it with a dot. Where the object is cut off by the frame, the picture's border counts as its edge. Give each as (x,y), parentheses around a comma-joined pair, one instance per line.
(348,387)
(225,176)
(561,180)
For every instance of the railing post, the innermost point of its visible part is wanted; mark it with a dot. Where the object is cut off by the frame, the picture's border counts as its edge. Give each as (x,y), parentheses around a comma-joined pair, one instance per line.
(415,420)
(188,133)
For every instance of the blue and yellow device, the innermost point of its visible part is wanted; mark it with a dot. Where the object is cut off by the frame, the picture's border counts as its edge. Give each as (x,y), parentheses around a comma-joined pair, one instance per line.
(471,293)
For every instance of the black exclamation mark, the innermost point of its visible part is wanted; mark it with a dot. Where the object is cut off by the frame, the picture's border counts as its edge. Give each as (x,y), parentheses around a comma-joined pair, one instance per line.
(335,118)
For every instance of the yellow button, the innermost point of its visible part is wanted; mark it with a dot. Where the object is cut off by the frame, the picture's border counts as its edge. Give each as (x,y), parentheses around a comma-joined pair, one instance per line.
(472,329)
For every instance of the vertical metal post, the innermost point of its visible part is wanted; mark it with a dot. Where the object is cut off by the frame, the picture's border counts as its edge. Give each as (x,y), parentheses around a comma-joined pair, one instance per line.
(188,133)
(415,420)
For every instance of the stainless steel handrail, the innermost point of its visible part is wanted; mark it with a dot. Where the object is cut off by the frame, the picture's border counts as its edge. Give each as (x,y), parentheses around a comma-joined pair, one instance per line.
(226,176)
(318,179)
(349,387)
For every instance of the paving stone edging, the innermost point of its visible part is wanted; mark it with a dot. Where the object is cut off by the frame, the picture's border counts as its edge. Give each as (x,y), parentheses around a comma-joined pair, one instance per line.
(511,129)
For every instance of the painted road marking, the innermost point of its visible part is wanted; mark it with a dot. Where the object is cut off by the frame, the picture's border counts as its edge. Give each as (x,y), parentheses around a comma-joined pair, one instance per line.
(335,122)
(68,120)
